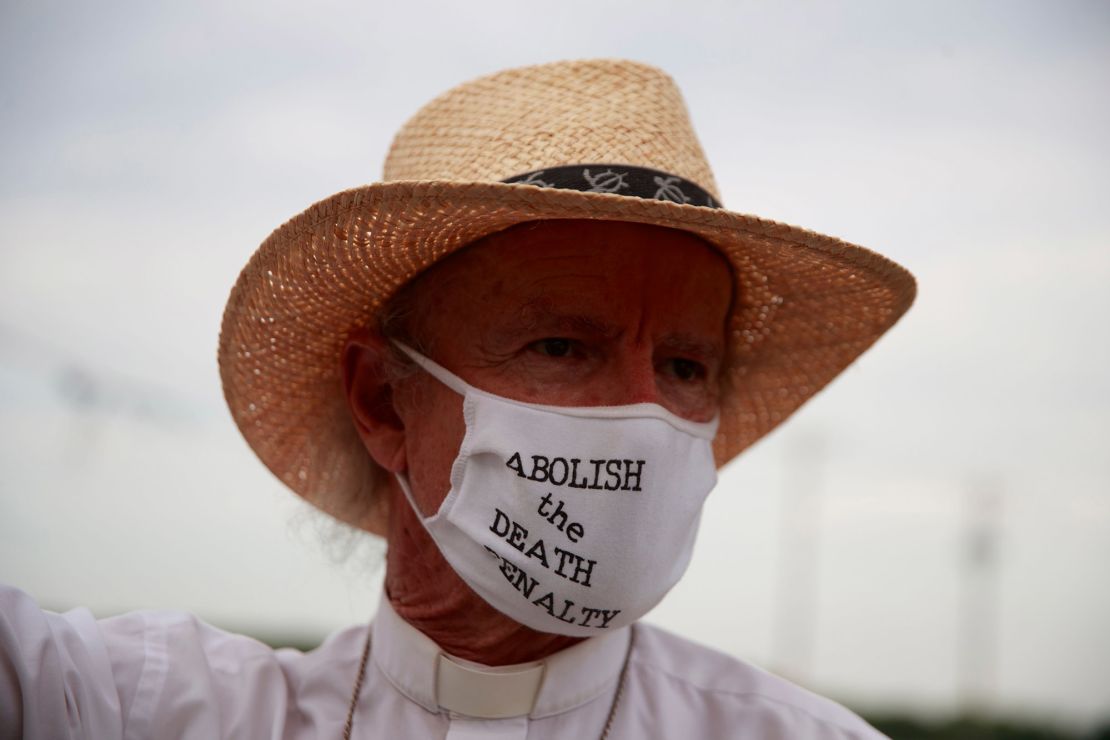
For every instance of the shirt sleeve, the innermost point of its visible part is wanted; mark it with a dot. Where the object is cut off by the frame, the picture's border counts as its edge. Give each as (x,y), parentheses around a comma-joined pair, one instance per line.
(57,679)
(145,674)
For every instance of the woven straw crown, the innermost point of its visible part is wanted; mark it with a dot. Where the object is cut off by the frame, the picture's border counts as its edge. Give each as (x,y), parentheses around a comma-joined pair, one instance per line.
(807,304)
(528,119)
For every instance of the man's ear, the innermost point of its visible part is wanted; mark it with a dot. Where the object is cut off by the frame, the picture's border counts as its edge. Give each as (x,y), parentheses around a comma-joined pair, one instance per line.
(366,357)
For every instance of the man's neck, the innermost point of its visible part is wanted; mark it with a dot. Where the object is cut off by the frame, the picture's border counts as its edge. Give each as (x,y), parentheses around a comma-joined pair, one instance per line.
(427,593)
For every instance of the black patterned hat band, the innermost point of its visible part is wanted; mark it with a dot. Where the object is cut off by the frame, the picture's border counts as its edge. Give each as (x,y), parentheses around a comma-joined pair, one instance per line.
(619,179)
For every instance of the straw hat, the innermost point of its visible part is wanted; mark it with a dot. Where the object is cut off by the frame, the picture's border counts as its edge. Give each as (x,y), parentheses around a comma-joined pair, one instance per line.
(601,139)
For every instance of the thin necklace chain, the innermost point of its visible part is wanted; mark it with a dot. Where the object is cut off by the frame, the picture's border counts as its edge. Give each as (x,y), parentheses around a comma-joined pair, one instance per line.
(358,687)
(620,685)
(349,726)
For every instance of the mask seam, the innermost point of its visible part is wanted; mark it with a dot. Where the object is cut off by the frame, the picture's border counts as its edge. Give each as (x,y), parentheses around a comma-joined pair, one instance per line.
(458,467)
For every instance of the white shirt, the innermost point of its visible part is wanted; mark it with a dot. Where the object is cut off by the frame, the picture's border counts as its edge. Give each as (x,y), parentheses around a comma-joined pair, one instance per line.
(163,674)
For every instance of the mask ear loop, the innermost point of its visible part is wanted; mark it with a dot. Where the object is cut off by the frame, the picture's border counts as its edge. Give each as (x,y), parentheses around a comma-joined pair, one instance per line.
(437,371)
(449,379)
(403,482)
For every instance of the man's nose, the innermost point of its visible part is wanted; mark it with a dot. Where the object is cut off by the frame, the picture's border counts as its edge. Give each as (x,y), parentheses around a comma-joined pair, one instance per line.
(635,379)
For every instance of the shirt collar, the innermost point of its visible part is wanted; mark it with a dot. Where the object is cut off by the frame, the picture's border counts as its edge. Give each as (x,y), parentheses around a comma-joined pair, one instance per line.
(568,679)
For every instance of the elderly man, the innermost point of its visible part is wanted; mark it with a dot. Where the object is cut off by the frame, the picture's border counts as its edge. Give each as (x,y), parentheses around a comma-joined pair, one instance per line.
(520,358)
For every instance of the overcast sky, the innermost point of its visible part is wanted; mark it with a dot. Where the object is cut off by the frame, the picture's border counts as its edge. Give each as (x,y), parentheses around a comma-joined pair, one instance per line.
(147,148)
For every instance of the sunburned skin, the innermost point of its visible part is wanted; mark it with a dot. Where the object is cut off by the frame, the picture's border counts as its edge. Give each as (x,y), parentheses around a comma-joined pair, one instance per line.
(565,313)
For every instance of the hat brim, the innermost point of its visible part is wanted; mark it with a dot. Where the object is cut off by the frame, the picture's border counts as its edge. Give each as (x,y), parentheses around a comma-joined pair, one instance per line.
(808,305)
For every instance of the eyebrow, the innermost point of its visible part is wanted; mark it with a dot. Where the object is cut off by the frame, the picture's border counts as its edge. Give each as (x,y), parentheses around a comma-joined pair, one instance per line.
(683,343)
(539,313)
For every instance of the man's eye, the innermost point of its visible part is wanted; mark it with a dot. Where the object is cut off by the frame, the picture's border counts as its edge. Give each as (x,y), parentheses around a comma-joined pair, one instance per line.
(553,347)
(687,370)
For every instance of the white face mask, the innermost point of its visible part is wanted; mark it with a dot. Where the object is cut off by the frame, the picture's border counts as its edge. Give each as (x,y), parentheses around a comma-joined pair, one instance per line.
(571,520)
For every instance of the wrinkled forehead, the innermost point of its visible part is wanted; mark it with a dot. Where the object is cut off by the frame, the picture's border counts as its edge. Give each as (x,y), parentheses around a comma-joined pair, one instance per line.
(596,272)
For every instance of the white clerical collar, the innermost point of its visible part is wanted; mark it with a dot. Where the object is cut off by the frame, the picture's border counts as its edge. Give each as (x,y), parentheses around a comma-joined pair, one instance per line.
(439,682)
